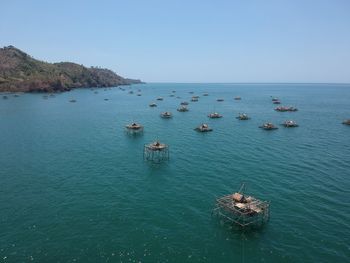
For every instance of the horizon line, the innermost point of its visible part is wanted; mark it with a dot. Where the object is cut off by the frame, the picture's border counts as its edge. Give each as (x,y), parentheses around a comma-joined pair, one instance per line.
(195,82)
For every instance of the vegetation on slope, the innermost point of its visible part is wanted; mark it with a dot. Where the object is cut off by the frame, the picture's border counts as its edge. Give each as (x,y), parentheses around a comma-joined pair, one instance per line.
(21,72)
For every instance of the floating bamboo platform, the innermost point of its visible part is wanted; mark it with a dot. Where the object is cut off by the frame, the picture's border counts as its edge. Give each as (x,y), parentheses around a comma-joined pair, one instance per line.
(166,115)
(346,122)
(134,128)
(203,128)
(242,210)
(182,109)
(268,126)
(243,117)
(284,109)
(156,152)
(214,115)
(290,124)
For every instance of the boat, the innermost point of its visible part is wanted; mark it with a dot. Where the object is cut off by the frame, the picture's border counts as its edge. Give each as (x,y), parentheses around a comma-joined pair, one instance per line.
(243,117)
(194,99)
(166,115)
(275,99)
(131,92)
(290,124)
(106,99)
(268,126)
(72,100)
(203,128)
(160,98)
(237,98)
(214,115)
(139,94)
(276,102)
(5,97)
(220,100)
(153,104)
(184,103)
(182,109)
(205,94)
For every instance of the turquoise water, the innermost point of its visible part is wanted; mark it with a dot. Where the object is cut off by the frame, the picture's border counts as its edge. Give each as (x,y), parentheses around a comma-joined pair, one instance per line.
(75,188)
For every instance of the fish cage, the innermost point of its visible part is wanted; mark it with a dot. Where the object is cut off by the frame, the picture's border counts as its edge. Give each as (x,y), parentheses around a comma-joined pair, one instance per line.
(156,152)
(203,128)
(134,128)
(166,115)
(242,210)
(214,115)
(182,109)
(268,126)
(346,122)
(243,117)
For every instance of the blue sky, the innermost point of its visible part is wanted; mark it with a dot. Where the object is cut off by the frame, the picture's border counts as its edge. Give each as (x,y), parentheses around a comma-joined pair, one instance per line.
(188,41)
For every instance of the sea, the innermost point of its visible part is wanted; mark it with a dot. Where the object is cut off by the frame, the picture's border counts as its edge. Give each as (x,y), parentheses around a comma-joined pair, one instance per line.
(74,185)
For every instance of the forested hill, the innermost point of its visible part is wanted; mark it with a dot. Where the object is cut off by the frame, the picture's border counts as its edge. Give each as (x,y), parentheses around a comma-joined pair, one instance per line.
(19,72)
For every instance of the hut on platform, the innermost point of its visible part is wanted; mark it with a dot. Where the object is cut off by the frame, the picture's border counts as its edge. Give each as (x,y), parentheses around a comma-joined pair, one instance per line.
(214,115)
(242,117)
(268,126)
(182,108)
(242,209)
(346,122)
(290,124)
(284,109)
(134,128)
(203,128)
(156,152)
(166,115)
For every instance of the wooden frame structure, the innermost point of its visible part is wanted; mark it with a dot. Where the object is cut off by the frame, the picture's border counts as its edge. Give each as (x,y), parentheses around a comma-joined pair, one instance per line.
(134,128)
(242,209)
(156,152)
